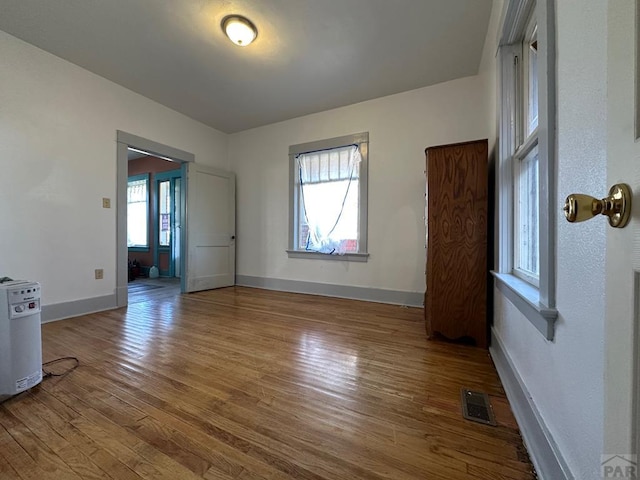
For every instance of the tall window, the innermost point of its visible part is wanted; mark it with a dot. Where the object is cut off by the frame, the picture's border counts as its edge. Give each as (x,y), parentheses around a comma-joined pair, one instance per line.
(138,211)
(328,197)
(526,208)
(526,261)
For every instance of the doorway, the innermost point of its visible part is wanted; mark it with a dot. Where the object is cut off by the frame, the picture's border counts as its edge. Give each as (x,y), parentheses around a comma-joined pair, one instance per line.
(154,220)
(174,210)
(206,240)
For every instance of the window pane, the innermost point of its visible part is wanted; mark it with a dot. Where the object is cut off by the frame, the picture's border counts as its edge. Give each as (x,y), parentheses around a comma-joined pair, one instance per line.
(137,213)
(334,166)
(334,214)
(314,168)
(164,204)
(324,166)
(527,218)
(532,107)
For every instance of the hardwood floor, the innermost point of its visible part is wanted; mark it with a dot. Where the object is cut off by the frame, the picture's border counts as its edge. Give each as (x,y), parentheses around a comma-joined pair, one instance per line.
(242,383)
(152,289)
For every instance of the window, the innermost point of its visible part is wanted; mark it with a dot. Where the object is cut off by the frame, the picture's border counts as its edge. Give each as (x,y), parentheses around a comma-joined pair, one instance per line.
(526,263)
(328,198)
(138,212)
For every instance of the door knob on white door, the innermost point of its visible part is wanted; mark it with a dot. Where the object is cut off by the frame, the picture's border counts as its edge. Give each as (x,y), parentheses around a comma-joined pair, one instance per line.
(579,207)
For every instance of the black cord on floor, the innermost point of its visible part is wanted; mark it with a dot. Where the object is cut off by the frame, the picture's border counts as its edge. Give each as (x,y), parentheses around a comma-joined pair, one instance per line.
(47,374)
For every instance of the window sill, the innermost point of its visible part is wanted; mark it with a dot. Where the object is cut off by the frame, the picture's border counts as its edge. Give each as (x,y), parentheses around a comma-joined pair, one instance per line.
(526,298)
(347,257)
(138,249)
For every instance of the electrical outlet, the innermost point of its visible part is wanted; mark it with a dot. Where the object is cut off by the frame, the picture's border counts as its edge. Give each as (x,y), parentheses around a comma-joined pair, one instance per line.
(99,274)
(106,203)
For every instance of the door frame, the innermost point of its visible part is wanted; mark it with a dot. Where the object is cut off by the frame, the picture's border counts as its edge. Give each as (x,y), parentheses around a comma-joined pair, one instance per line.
(124,142)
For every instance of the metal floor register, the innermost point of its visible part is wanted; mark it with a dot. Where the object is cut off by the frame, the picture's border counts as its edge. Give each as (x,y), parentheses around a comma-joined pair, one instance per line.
(477,407)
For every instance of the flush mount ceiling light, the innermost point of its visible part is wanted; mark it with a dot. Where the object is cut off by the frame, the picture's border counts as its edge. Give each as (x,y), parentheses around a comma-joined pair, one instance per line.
(239,29)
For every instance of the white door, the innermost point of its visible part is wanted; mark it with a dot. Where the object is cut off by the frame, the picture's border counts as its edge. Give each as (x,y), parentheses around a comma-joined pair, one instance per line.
(622,284)
(211,224)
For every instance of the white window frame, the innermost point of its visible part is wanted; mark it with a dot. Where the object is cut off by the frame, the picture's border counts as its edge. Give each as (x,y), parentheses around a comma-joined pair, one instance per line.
(535,298)
(361,140)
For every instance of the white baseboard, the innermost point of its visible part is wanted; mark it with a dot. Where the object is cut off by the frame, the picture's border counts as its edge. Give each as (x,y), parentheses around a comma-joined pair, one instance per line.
(543,450)
(396,297)
(60,311)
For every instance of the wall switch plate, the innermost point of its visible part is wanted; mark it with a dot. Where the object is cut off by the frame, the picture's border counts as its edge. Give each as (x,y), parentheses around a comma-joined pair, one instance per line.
(99,274)
(106,203)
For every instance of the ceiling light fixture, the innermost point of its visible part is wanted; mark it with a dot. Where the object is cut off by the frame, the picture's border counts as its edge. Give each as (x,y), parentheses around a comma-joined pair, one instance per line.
(239,29)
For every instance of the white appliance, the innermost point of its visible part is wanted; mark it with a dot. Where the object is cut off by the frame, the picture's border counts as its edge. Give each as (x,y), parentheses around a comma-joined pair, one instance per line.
(20,337)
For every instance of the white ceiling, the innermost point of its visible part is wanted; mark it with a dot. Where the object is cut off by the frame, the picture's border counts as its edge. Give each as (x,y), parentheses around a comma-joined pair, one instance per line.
(133,155)
(310,55)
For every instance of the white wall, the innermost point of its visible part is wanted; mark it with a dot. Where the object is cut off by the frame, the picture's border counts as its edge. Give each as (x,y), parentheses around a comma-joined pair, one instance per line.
(58,127)
(565,377)
(488,72)
(400,128)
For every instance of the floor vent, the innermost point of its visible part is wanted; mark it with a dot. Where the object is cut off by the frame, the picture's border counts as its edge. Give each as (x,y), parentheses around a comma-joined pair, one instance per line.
(476,407)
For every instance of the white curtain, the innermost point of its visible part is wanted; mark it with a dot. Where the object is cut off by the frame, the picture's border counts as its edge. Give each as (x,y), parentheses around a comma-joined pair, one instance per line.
(329,193)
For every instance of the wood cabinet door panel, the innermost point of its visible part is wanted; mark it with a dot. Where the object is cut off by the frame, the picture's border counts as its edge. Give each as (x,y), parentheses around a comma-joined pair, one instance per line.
(455,304)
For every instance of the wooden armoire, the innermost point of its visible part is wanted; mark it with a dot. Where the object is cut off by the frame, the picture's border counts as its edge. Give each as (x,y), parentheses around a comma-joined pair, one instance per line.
(456,225)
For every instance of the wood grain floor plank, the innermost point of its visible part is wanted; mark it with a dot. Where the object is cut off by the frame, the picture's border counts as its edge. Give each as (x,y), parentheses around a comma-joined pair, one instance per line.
(247,384)
(96,413)
(77,461)
(177,427)
(49,410)
(7,472)
(49,465)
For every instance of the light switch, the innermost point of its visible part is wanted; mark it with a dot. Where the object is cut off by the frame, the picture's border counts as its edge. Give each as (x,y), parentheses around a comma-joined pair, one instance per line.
(106,203)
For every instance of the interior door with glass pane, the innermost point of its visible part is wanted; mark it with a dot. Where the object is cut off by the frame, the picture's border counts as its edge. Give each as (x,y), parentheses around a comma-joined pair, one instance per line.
(176,227)
(210,226)
(167,222)
(164,228)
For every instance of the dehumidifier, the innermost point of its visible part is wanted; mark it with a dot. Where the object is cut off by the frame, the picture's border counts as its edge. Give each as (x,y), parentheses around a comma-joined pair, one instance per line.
(20,337)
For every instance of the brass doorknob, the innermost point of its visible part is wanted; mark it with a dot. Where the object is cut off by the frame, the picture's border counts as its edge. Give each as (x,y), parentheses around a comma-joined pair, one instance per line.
(617,206)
